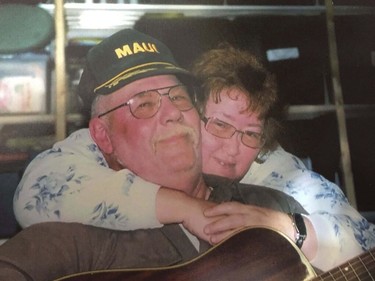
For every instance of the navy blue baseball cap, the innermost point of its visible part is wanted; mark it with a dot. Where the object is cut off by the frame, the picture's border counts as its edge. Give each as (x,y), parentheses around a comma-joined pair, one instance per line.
(124,57)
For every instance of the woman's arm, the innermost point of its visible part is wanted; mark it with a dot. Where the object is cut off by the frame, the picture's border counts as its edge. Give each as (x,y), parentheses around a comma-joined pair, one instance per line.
(72,183)
(340,230)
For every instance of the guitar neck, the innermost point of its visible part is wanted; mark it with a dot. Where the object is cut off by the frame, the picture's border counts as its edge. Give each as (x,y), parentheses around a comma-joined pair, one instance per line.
(360,268)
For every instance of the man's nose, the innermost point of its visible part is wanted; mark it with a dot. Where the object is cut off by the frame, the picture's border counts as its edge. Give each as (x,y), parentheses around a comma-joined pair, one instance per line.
(168,111)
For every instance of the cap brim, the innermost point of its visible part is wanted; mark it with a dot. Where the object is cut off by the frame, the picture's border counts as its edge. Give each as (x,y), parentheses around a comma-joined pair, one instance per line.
(145,71)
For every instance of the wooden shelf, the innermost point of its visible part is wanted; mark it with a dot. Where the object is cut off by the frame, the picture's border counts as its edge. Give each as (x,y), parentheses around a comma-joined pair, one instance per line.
(305,112)
(109,18)
(37,118)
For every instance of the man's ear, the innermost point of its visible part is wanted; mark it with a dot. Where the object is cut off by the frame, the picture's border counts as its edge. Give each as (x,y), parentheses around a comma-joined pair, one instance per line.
(99,132)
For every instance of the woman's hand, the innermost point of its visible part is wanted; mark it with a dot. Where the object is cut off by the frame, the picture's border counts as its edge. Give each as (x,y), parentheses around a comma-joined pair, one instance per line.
(174,206)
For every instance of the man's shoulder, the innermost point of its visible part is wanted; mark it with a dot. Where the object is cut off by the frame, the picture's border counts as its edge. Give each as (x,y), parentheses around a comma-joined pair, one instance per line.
(269,198)
(262,196)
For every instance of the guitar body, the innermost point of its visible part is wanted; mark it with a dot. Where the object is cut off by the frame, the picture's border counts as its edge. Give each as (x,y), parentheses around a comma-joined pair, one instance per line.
(251,254)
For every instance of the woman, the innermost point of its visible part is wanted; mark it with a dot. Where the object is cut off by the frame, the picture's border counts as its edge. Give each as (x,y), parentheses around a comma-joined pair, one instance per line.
(239,130)
(236,86)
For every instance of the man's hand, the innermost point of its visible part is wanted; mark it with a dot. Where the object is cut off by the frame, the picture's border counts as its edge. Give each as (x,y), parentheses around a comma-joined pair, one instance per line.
(235,216)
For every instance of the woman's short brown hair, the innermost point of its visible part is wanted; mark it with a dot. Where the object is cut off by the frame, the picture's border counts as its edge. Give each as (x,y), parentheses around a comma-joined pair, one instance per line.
(227,68)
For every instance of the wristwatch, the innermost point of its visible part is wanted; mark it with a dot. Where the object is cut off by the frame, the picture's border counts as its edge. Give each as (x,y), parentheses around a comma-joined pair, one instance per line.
(299,227)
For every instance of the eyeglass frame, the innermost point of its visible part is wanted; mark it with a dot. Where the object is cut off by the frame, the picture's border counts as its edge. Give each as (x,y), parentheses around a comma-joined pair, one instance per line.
(206,121)
(128,103)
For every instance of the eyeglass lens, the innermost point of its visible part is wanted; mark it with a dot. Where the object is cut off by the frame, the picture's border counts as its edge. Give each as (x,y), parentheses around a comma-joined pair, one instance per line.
(146,104)
(224,130)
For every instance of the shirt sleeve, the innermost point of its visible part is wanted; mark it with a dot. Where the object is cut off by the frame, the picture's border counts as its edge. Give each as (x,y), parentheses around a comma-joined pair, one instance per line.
(72,183)
(341,231)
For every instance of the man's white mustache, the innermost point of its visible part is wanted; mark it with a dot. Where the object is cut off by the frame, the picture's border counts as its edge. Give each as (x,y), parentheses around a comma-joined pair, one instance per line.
(177,131)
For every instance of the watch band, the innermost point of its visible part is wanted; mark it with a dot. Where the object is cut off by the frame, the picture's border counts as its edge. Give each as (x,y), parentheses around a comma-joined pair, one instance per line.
(299,227)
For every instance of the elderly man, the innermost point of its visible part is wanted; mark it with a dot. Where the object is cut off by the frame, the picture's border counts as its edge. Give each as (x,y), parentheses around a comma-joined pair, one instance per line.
(144,120)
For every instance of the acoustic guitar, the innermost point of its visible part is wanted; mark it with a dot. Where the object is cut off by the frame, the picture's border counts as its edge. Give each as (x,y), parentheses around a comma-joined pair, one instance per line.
(251,254)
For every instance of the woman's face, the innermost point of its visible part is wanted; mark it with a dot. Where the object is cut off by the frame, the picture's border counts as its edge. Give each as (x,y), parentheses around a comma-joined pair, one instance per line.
(229,157)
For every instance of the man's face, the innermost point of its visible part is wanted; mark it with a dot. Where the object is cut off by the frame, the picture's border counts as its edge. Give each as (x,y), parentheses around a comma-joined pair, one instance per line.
(164,149)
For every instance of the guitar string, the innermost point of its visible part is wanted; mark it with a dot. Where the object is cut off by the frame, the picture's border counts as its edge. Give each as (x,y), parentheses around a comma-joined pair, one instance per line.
(343,274)
(365,269)
(368,266)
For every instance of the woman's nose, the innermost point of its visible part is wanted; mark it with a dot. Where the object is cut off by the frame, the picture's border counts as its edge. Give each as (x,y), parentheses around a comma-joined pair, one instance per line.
(232,145)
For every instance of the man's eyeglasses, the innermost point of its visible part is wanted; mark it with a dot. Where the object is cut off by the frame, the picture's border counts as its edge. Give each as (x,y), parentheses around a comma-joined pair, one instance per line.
(147,103)
(224,130)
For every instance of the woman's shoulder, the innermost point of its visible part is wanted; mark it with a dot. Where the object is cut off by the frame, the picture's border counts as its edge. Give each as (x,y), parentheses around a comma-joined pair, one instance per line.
(280,159)
(277,163)
(79,145)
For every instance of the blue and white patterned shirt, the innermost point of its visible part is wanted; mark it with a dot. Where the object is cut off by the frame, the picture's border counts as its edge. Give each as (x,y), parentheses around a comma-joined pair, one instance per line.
(341,231)
(72,182)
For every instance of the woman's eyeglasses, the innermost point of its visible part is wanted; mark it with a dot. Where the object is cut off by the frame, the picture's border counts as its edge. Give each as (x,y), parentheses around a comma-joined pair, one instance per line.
(224,130)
